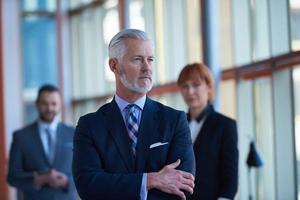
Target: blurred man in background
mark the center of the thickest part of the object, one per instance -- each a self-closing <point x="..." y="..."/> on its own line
<point x="41" y="153"/>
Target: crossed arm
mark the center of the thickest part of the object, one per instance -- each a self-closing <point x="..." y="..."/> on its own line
<point x="92" y="180"/>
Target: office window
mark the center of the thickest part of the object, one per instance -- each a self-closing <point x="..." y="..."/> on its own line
<point x="42" y="5"/>
<point x="225" y="34"/>
<point x="264" y="135"/>
<point x="39" y="50"/>
<point x="295" y="21"/>
<point x="91" y="32"/>
<point x="137" y="20"/>
<point x="77" y="3"/>
<point x="227" y="95"/>
<point x="279" y="27"/>
<point x="173" y="100"/>
<point x="175" y="45"/>
<point x="260" y="29"/>
<point x="296" y="81"/>
<point x="241" y="32"/>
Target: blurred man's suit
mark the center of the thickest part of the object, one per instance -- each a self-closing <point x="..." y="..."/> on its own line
<point x="102" y="151"/>
<point x="27" y="155"/>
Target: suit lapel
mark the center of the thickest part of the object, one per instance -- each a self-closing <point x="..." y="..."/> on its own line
<point x="147" y="129"/>
<point x="116" y="127"/>
<point x="206" y="129"/>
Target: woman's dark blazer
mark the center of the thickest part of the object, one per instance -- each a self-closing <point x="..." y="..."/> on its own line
<point x="216" y="156"/>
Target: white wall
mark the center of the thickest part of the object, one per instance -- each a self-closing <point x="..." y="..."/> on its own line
<point x="12" y="71"/>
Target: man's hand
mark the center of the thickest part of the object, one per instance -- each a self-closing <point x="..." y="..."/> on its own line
<point x="171" y="181"/>
<point x="39" y="179"/>
<point x="57" y="179"/>
<point x="53" y="178"/>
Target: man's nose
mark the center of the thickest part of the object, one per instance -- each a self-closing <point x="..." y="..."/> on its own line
<point x="147" y="65"/>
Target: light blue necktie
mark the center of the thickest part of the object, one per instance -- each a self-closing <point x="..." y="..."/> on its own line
<point x="132" y="125"/>
<point x="50" y="144"/>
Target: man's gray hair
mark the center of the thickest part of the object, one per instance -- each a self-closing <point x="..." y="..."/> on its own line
<point x="117" y="48"/>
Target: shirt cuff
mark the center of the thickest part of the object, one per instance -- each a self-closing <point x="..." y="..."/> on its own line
<point x="144" y="192"/>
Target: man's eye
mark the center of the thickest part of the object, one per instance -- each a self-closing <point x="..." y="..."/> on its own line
<point x="137" y="59"/>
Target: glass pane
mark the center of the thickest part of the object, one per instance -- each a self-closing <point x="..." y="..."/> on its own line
<point x="194" y="33"/>
<point x="241" y="32"/>
<point x="279" y="27"/>
<point x="225" y="34"/>
<point x="227" y="94"/>
<point x="173" y="100"/>
<point x="38" y="5"/>
<point x="91" y="32"/>
<point x="264" y="138"/>
<point x="295" y="21"/>
<point x="39" y="52"/>
<point x="296" y="80"/>
<point x="137" y="20"/>
<point x="77" y="3"/>
<point x="261" y="30"/>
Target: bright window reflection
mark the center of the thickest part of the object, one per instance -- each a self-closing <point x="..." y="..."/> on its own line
<point x="91" y="31"/>
<point x="295" y="21"/>
<point x="35" y="5"/>
<point x="296" y="80"/>
<point x="136" y="16"/>
<point x="77" y="3"/>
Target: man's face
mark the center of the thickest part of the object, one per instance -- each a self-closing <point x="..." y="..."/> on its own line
<point x="135" y="68"/>
<point x="48" y="105"/>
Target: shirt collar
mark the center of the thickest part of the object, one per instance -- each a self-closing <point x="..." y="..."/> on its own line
<point x="52" y="125"/>
<point x="123" y="103"/>
<point x="207" y="110"/>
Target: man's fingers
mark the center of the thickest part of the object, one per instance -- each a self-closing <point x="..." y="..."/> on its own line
<point x="188" y="182"/>
<point x="187" y="175"/>
<point x="174" y="164"/>
<point x="180" y="194"/>
<point x="187" y="188"/>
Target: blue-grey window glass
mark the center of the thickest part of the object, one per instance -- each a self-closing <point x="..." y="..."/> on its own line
<point x="39" y="51"/>
<point x="41" y="5"/>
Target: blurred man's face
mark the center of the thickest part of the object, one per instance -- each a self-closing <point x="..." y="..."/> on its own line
<point x="48" y="105"/>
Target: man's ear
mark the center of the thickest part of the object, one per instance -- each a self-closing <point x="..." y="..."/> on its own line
<point x="113" y="64"/>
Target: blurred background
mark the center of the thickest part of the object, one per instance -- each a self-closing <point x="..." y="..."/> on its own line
<point x="252" y="47"/>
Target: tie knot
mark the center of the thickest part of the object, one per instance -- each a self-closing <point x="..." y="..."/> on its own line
<point x="131" y="108"/>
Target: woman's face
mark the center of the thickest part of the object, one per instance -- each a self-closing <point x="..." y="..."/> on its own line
<point x="195" y="93"/>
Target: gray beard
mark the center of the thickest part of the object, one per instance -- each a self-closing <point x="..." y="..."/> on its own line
<point x="133" y="86"/>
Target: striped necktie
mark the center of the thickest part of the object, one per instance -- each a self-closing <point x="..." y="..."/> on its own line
<point x="132" y="125"/>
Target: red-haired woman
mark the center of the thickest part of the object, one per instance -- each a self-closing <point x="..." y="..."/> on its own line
<point x="214" y="136"/>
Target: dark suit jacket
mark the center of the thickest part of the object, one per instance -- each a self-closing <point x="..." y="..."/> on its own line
<point x="27" y="155"/>
<point x="103" y="164"/>
<point x="216" y="156"/>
